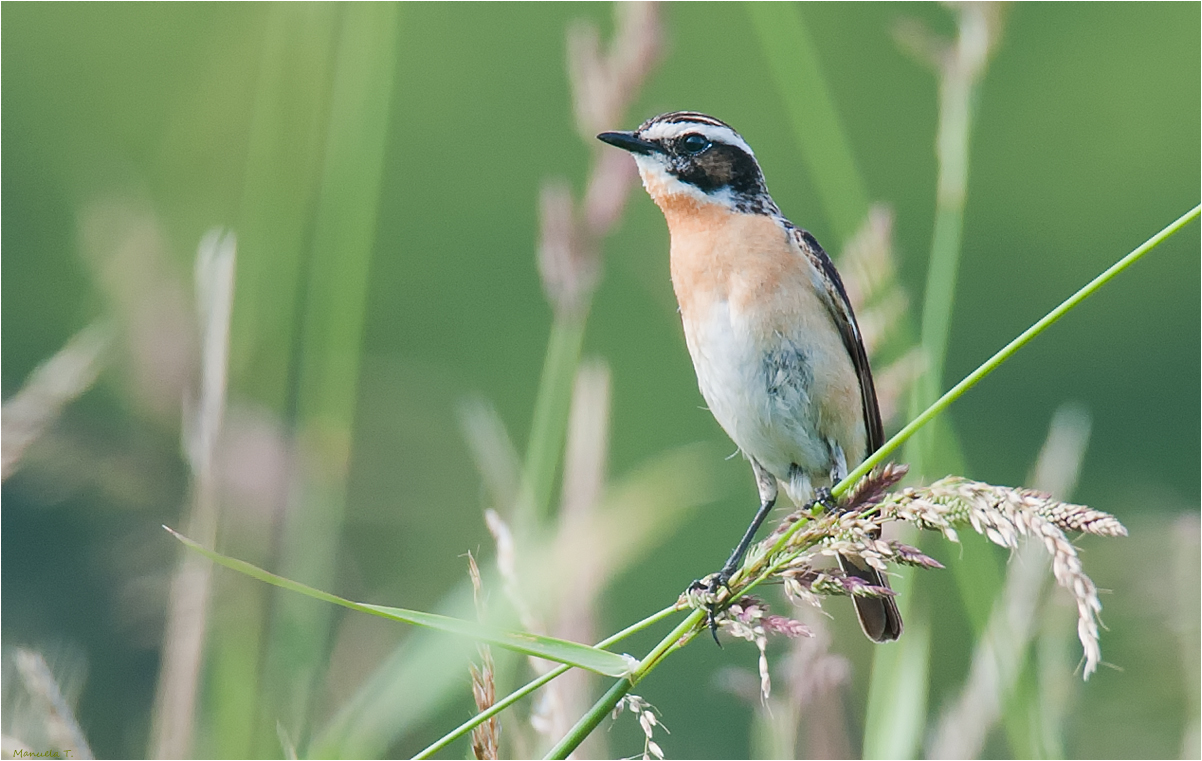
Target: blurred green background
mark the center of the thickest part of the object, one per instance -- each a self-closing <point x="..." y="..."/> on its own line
<point x="131" y="129"/>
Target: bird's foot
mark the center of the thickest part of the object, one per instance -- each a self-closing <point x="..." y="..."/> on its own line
<point x="706" y="593"/>
<point x="825" y="500"/>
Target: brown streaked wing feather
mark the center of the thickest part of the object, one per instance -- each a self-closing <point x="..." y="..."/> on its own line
<point x="879" y="616"/>
<point x="840" y="308"/>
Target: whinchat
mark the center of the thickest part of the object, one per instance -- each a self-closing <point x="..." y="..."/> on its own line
<point x="776" y="348"/>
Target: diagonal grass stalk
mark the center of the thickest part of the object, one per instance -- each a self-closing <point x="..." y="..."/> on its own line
<point x="534" y="684"/>
<point x="1007" y="351"/>
<point x="688" y="628"/>
<point x="551" y="648"/>
<point x="683" y="632"/>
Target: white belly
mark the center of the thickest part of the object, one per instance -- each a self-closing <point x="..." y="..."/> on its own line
<point x="762" y="392"/>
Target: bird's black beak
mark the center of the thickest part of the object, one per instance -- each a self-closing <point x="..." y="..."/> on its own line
<point x="627" y="141"/>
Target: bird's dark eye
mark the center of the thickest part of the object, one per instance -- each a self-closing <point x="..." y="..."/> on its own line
<point x="694" y="143"/>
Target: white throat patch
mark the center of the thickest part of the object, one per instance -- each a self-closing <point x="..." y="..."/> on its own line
<point x="660" y="183"/>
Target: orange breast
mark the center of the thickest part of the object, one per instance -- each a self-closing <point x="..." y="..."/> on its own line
<point x="751" y="263"/>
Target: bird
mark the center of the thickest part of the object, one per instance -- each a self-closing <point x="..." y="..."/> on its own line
<point x="779" y="358"/>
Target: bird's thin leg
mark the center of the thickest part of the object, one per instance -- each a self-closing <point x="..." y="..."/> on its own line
<point x="767" y="486"/>
<point x="732" y="564"/>
<point x="822" y="495"/>
<point x="736" y="557"/>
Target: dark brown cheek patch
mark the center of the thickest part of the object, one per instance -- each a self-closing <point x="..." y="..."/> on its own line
<point x="726" y="168"/>
<point x="718" y="167"/>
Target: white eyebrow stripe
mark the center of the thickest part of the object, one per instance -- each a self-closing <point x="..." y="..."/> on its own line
<point x="713" y="132"/>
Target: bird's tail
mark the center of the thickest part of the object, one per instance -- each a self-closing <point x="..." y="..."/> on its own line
<point x="879" y="616"/>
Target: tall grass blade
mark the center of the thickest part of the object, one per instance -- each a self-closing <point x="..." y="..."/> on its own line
<point x="326" y="379"/>
<point x="548" y="430"/>
<point x="283" y="177"/>
<point x="794" y="65"/>
<point x="283" y="173"/>
<point x="551" y="648"/>
<point x="558" y="650"/>
<point x="897" y="697"/>
<point x="185" y="636"/>
<point x="959" y="64"/>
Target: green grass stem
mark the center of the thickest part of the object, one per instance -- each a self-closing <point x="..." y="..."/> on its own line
<point x="685" y="630"/>
<point x="274" y="222"/>
<point x="1007" y="351"/>
<point x="534" y="684"/>
<point x="548" y="430"/>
